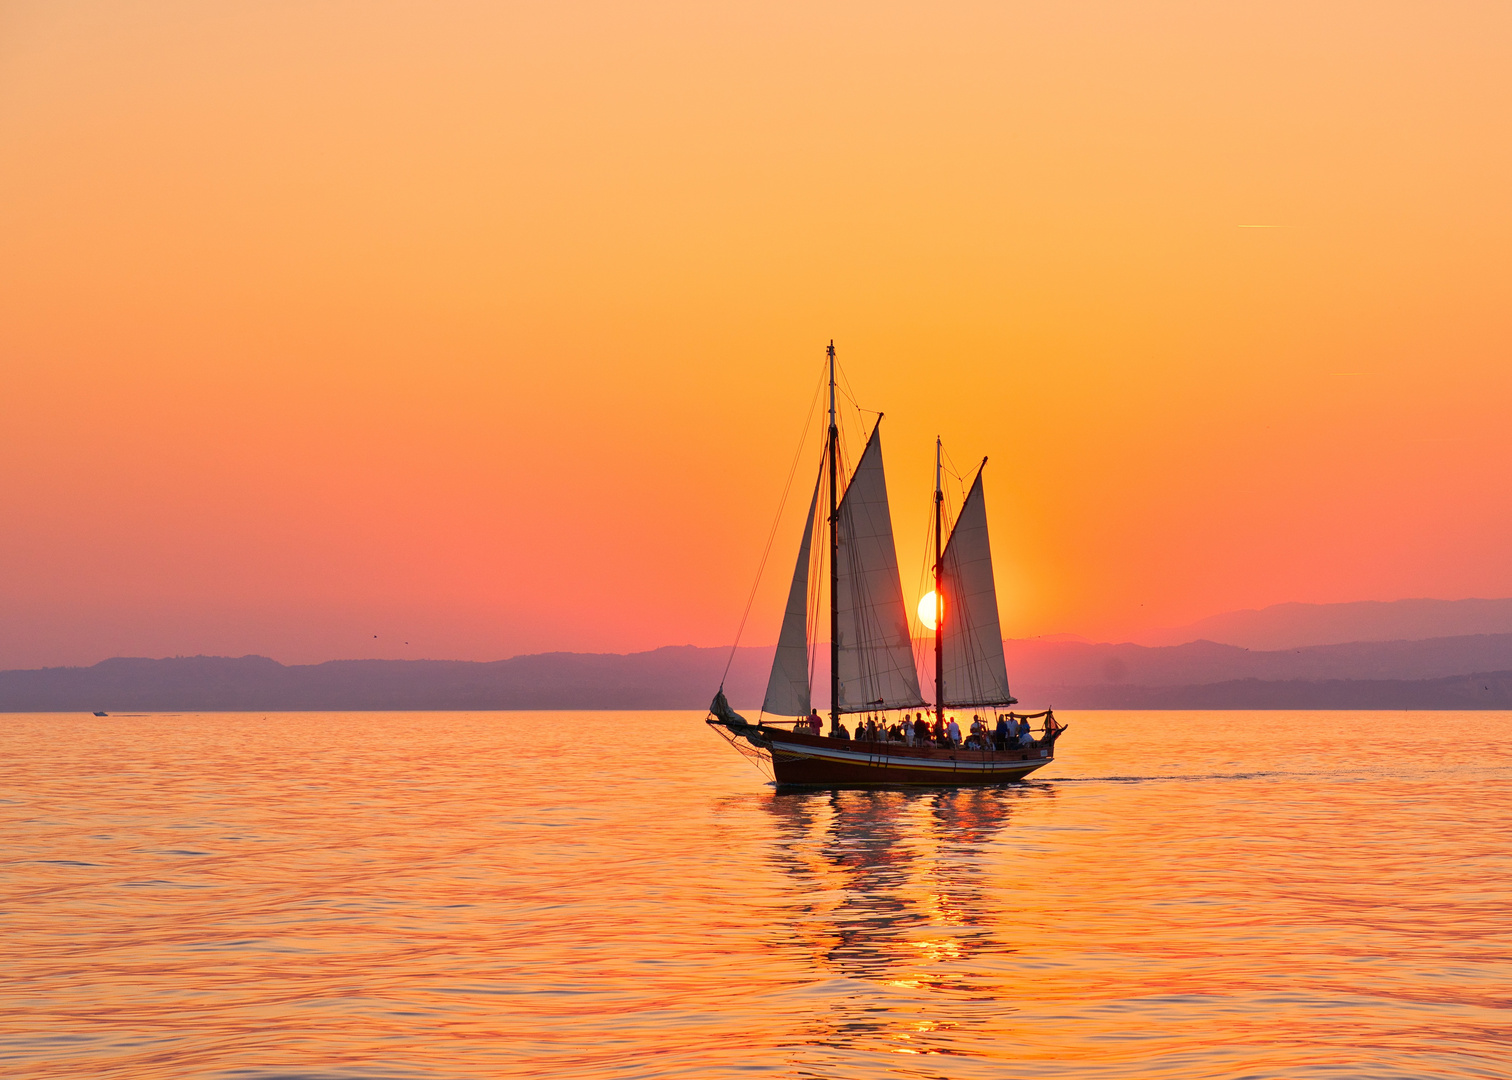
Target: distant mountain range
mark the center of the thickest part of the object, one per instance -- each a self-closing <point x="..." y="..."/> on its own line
<point x="1295" y="626"/>
<point x="1041" y="666"/>
<point x="1461" y="672"/>
<point x="670" y="678"/>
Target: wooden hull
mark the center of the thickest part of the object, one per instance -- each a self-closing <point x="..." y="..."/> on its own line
<point x="811" y="761"/>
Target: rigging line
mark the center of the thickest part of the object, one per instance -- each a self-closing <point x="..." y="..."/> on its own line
<point x="772" y="535"/>
<point x="973" y="653"/>
<point x="960" y="477"/>
<point x="817" y="564"/>
<point x="952" y="509"/>
<point x="849" y="393"/>
<point x="845" y="386"/>
<point x="926" y="565"/>
<point x="867" y="624"/>
<point x="845" y="469"/>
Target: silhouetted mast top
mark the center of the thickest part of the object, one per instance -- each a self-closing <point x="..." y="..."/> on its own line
<point x="834" y="549"/>
<point x="871" y="653"/>
<point x="939" y="593"/>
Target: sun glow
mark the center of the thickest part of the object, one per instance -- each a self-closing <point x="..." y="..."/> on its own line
<point x="927" y="609"/>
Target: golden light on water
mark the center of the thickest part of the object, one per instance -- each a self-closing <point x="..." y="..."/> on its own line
<point x="927" y="609"/>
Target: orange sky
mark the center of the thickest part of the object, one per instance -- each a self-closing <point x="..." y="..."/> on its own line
<point x="490" y="328"/>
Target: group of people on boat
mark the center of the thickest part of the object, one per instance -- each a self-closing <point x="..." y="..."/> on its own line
<point x="1011" y="731"/>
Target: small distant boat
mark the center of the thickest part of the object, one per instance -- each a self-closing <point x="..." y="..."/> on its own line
<point x="872" y="667"/>
<point x="101" y="712"/>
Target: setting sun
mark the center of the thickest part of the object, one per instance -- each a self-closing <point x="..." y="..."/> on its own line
<point x="927" y="609"/>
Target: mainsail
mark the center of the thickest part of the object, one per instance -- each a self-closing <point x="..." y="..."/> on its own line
<point x="970" y="637"/>
<point x="787" y="692"/>
<point x="876" y="663"/>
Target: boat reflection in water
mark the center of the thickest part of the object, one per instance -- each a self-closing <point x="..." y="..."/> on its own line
<point x="889" y="892"/>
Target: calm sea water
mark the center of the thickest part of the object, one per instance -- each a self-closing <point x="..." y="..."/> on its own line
<point x="469" y="895"/>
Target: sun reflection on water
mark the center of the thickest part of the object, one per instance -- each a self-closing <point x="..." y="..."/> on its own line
<point x="461" y="896"/>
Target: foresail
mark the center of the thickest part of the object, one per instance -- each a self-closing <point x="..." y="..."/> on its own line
<point x="971" y="638"/>
<point x="787" y="692"/>
<point x="876" y="657"/>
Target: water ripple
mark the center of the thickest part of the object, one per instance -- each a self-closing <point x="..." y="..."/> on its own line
<point x="458" y="896"/>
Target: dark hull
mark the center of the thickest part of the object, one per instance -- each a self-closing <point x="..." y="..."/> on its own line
<point x="810" y="761"/>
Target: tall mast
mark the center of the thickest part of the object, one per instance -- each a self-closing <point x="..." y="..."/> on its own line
<point x="939" y="626"/>
<point x="834" y="550"/>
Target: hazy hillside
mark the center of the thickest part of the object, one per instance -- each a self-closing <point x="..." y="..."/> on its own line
<point x="1038" y="663"/>
<point x="1291" y="626"/>
<point x="672" y="678"/>
<point x="1436" y="673"/>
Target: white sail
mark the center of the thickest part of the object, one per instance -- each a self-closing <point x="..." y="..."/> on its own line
<point x="971" y="638"/>
<point x="876" y="656"/>
<point x="787" y="692"/>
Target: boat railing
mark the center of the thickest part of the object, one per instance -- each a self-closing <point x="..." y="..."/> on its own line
<point x="988" y="743"/>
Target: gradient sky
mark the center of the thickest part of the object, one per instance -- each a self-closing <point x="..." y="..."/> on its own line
<point x="491" y="328"/>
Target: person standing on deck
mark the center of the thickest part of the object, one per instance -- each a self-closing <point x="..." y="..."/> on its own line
<point x="815" y="724"/>
<point x="953" y="732"/>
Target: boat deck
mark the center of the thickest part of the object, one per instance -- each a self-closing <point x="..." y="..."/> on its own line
<point x="800" y="758"/>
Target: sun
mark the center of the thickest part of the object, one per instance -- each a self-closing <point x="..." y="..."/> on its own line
<point x="927" y="609"/>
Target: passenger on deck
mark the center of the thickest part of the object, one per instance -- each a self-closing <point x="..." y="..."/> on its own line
<point x="953" y="732"/>
<point x="978" y="733"/>
<point x="1025" y="738"/>
<point x="921" y="731"/>
<point x="871" y="729"/>
<point x="908" y="731"/>
<point x="939" y="731"/>
<point x="815" y="724"/>
<point x="841" y="733"/>
<point x="1000" y="733"/>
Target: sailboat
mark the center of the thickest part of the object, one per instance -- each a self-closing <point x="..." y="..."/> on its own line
<point x="872" y="672"/>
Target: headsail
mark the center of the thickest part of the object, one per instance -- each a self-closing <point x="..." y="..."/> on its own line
<point x="971" y="637"/>
<point x="875" y="655"/>
<point x="787" y="692"/>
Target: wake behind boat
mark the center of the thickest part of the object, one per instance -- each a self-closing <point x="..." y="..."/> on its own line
<point x="873" y="674"/>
